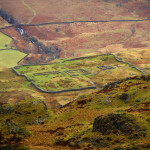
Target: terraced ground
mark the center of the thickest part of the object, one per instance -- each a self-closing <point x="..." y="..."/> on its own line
<point x="77" y="73"/>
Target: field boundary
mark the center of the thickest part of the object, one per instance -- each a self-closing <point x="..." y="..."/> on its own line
<point x="109" y="86"/>
<point x="12" y="39"/>
<point x="114" y="57"/>
<point x="71" y="22"/>
<point x="8" y="49"/>
<point x="78" y="89"/>
<point x="61" y="91"/>
<point x="22" y="58"/>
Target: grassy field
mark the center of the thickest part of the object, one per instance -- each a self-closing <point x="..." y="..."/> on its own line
<point x="5" y="41"/>
<point x="72" y="74"/>
<point x="9" y="58"/>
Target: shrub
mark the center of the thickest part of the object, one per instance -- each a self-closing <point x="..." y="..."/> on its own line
<point x="124" y="97"/>
<point x="11" y="132"/>
<point x="114" y="123"/>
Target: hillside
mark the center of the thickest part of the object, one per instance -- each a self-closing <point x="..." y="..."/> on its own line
<point x="77" y="39"/>
<point x="72" y="125"/>
<point x="74" y="75"/>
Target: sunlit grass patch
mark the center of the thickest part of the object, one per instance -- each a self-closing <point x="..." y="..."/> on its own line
<point x="9" y="58"/>
<point x="5" y="41"/>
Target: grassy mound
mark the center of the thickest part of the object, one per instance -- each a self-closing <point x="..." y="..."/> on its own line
<point x="26" y="112"/>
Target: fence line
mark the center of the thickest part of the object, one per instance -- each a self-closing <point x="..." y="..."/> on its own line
<point x="61" y="91"/>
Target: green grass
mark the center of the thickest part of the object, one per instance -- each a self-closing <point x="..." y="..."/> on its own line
<point x="9" y="58"/>
<point x="53" y="77"/>
<point x="4" y="41"/>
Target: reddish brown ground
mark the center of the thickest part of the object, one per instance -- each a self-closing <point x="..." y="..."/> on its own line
<point x="80" y="39"/>
<point x="21" y="44"/>
<point x="69" y="10"/>
<point x="3" y="23"/>
<point x="16" y="9"/>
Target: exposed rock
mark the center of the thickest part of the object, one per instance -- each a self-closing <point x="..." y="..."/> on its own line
<point x="107" y="100"/>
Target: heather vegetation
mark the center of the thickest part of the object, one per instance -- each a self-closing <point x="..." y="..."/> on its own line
<point x="26" y="112"/>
